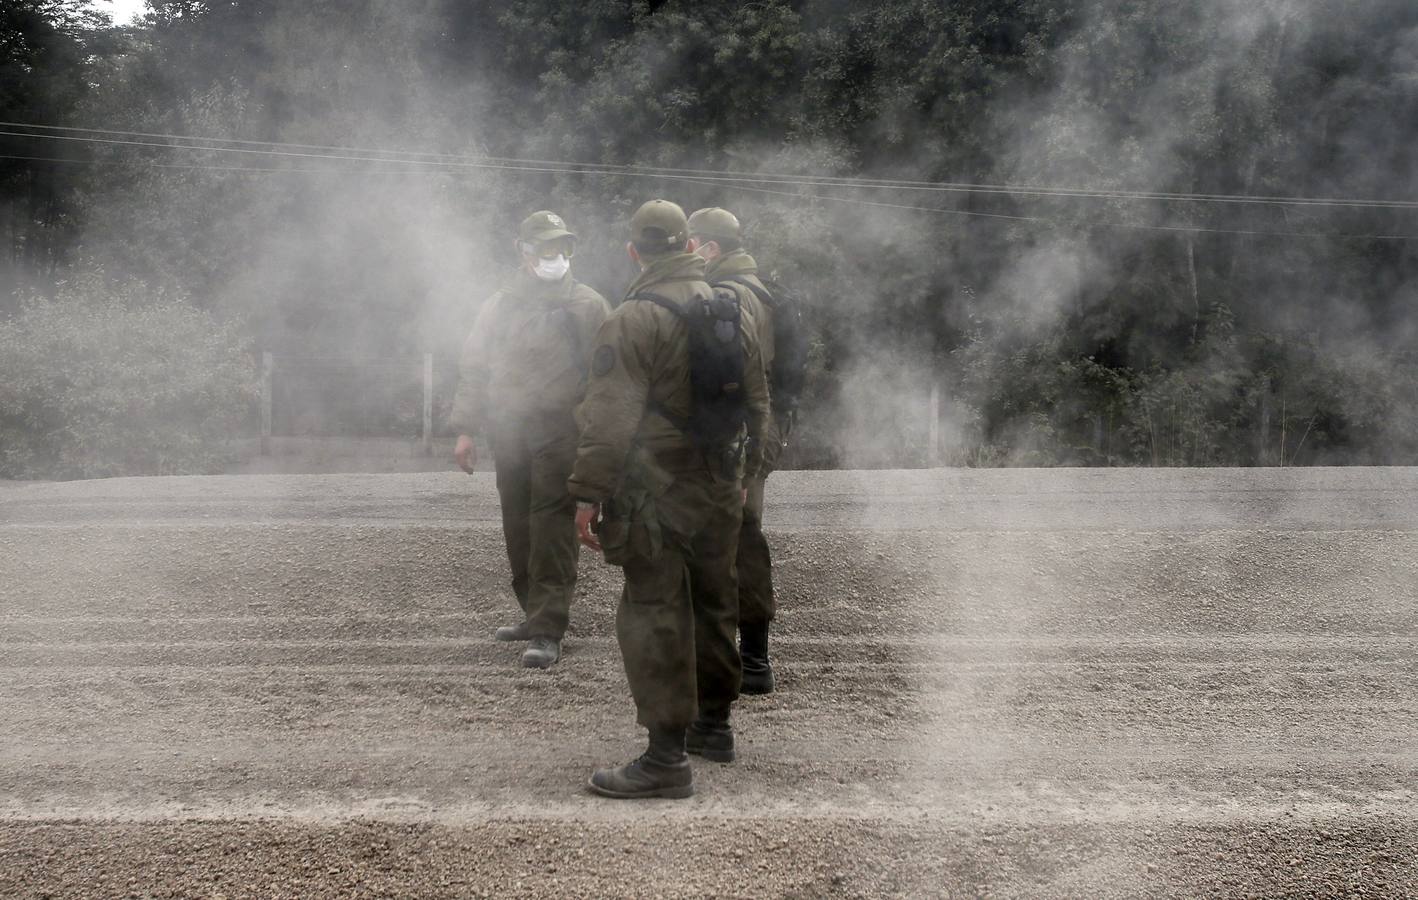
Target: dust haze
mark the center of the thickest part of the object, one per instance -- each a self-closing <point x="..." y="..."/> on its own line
<point x="1097" y="653"/>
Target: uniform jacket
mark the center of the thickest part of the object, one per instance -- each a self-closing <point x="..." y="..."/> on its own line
<point x="528" y="352"/>
<point x="641" y="356"/>
<point x="738" y="264"/>
<point x="759" y="317"/>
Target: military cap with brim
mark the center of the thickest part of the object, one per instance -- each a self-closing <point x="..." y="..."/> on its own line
<point x="543" y="225"/>
<point x="671" y="227"/>
<point x="715" y="222"/>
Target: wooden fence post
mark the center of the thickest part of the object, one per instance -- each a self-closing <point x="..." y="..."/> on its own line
<point x="428" y="404"/>
<point x="268" y="365"/>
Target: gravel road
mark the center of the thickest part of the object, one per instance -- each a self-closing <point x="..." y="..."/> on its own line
<point x="1011" y="683"/>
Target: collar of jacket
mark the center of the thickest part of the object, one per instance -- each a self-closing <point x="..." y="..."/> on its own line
<point x="526" y="286"/>
<point x="735" y="262"/>
<point x="675" y="267"/>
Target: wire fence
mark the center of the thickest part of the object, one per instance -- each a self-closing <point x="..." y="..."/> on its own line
<point x="349" y="396"/>
<point x="404" y="397"/>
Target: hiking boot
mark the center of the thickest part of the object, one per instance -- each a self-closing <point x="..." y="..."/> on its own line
<point x="541" y="653"/>
<point x="712" y="740"/>
<point x="757" y="677"/>
<point x="753" y="650"/>
<point x="516" y="632"/>
<point x="661" y="771"/>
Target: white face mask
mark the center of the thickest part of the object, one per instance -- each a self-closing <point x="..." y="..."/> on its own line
<point x="552" y="269"/>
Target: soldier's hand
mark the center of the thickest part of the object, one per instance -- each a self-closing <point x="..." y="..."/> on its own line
<point x="465" y="453"/>
<point x="586" y="516"/>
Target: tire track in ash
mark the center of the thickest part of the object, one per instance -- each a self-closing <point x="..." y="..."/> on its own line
<point x="1046" y="660"/>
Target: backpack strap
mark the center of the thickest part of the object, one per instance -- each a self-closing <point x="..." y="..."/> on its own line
<point x="658" y="300"/>
<point x="758" y="292"/>
<point x="654" y="406"/>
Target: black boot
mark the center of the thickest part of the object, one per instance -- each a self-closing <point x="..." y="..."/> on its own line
<point x="711" y="738"/>
<point x="753" y="648"/>
<point x="661" y="771"/>
<point x="518" y="632"/>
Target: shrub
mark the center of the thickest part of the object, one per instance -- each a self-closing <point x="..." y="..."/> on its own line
<point x="100" y="382"/>
<point x="1237" y="400"/>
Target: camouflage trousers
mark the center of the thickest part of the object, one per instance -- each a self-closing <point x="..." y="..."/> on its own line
<point x="533" y="458"/>
<point x="755" y="567"/>
<point x="678" y="614"/>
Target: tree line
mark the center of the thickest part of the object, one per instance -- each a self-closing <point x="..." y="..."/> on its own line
<point x="1063" y="217"/>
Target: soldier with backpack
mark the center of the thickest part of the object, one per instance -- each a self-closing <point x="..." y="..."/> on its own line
<point x="777" y="321"/>
<point x="521" y="374"/>
<point x="677" y="399"/>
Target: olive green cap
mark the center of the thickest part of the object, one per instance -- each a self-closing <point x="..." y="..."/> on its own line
<point x="543" y="225"/>
<point x="715" y="223"/>
<point x="663" y="215"/>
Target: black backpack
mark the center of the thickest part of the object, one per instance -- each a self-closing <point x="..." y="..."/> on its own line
<point x="789" y="344"/>
<point x="718" y="410"/>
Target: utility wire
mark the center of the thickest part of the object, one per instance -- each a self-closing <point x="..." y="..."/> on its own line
<point x="798" y="195"/>
<point x="728" y="184"/>
<point x="277" y="170"/>
<point x="340" y="149"/>
<point x="279" y="153"/>
<point x="1060" y="223"/>
<point x="772" y="177"/>
<point x="565" y="167"/>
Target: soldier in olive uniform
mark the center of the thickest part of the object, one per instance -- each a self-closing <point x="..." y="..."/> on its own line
<point x="665" y="510"/>
<point x="522" y="372"/>
<point x="719" y="239"/>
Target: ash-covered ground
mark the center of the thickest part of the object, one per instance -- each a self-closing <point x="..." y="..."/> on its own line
<point x="1100" y="683"/>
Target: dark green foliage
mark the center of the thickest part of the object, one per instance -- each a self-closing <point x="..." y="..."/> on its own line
<point x="1061" y="331"/>
<point x="99" y="382"/>
<point x="1264" y="399"/>
<point x="46" y="50"/>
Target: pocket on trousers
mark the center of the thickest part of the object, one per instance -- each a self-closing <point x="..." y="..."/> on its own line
<point x="614" y="535"/>
<point x="629" y="529"/>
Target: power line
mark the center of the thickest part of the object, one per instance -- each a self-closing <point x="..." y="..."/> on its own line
<point x="277" y="170"/>
<point x="340" y="149"/>
<point x="565" y="167"/>
<point x="1056" y="222"/>
<point x="785" y="178"/>
<point x="277" y="153"/>
<point x="790" y="194"/>
<point x="734" y="186"/>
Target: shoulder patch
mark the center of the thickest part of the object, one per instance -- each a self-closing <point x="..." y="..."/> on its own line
<point x="603" y="360"/>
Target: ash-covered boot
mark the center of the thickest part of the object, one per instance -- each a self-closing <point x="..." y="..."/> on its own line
<point x="541" y="653"/>
<point x="711" y="738"/>
<point x="519" y="632"/>
<point x="753" y="649"/>
<point x="661" y="771"/>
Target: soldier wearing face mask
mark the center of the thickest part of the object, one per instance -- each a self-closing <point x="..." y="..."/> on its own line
<point x="521" y="375"/>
